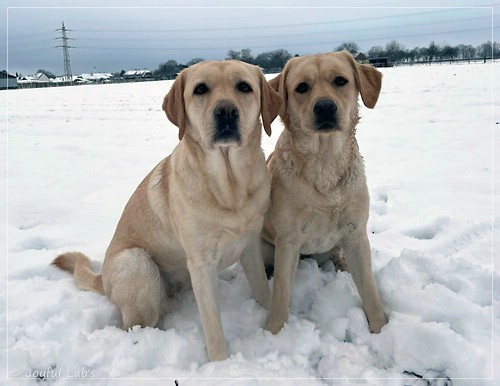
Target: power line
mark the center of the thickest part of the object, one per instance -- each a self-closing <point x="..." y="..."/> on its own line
<point x="294" y="25"/>
<point x="273" y="36"/>
<point x="309" y="43"/>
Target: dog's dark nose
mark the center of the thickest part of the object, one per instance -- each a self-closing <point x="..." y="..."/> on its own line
<point x="325" y="115"/>
<point x="226" y="116"/>
<point x="325" y="108"/>
<point x="226" y="111"/>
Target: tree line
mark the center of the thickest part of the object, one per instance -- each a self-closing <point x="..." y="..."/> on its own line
<point x="395" y="52"/>
<point x="272" y="61"/>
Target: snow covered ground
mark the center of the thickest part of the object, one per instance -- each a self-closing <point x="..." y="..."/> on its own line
<point x="77" y="153"/>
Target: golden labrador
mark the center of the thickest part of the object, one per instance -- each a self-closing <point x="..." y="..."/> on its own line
<point x="200" y="209"/>
<point x="319" y="196"/>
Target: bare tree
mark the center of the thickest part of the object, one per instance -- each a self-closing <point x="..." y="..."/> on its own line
<point x="167" y="70"/>
<point x="432" y="51"/>
<point x="485" y="50"/>
<point x="352" y="47"/>
<point x="496" y="50"/>
<point x="376" y="52"/>
<point x="246" y="56"/>
<point x="233" y="55"/>
<point x="395" y="51"/>
<point x="449" y="52"/>
<point x="194" y="61"/>
<point x="274" y="60"/>
<point x="466" y="51"/>
<point x="47" y="73"/>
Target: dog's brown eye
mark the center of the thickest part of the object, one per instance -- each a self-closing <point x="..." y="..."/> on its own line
<point x="340" y="81"/>
<point x="244" y="87"/>
<point x="201" y="89"/>
<point x="302" y="88"/>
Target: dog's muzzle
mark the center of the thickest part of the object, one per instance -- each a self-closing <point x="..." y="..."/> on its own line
<point x="227" y="119"/>
<point x="325" y="115"/>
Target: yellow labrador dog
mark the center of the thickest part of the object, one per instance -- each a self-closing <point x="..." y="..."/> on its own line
<point x="200" y="209"/>
<point x="320" y="202"/>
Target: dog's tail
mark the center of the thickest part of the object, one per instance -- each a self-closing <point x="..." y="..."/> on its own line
<point x="79" y="265"/>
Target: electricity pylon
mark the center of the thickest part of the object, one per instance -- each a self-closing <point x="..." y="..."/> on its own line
<point x="67" y="65"/>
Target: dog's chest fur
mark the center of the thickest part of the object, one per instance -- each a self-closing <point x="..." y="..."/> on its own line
<point x="219" y="202"/>
<point x="322" y="179"/>
<point x="321" y="223"/>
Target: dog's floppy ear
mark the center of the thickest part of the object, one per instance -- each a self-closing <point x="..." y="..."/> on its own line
<point x="270" y="103"/>
<point x="368" y="80"/>
<point x="173" y="104"/>
<point x="275" y="82"/>
<point x="278" y="84"/>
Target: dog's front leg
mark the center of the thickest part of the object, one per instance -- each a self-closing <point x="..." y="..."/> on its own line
<point x="253" y="265"/>
<point x="285" y="263"/>
<point x="358" y="258"/>
<point x="205" y="282"/>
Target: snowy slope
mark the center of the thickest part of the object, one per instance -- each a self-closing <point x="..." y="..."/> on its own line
<point x="77" y="153"/>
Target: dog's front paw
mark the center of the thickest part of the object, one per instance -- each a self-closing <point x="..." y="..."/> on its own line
<point x="377" y="324"/>
<point x="274" y="325"/>
<point x="218" y="353"/>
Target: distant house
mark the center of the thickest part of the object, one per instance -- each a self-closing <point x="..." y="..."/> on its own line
<point x="80" y="80"/>
<point x="96" y="77"/>
<point x="38" y="78"/>
<point x="360" y="57"/>
<point x="138" y="74"/>
<point x="380" y="62"/>
<point x="7" y="81"/>
<point x="34" y="81"/>
<point x="59" y="79"/>
<point x="41" y="78"/>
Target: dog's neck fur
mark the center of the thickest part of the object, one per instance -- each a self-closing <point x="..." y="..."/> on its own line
<point x="229" y="171"/>
<point x="325" y="160"/>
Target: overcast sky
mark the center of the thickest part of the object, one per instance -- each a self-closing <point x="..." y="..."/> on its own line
<point x="109" y="36"/>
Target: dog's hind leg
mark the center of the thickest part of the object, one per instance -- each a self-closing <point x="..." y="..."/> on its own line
<point x="335" y="255"/>
<point x="268" y="256"/>
<point x="132" y="281"/>
<point x="338" y="259"/>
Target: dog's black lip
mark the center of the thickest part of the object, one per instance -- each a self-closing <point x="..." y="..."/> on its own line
<point x="227" y="129"/>
<point x="227" y="135"/>
<point x="327" y="126"/>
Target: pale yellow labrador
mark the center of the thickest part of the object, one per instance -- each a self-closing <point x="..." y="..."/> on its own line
<point x="200" y="209"/>
<point x="320" y="202"/>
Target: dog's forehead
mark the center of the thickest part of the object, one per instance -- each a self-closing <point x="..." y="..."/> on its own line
<point x="216" y="72"/>
<point x="313" y="67"/>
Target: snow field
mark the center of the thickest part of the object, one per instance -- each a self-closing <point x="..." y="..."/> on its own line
<point x="76" y="154"/>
